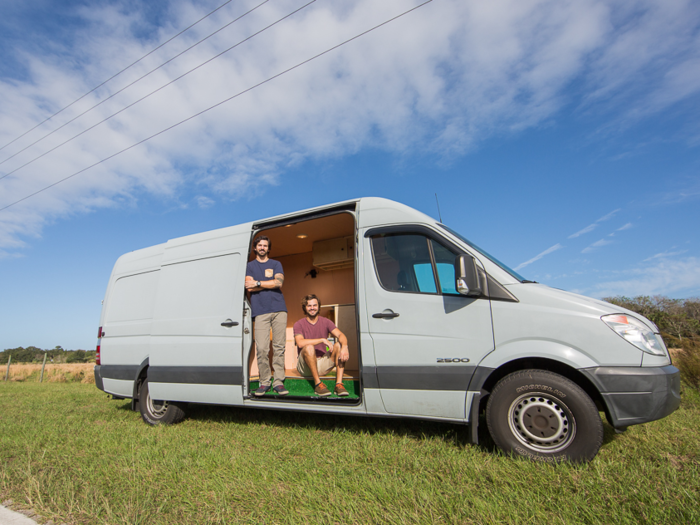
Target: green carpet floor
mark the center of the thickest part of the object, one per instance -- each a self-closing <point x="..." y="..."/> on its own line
<point x="304" y="387"/>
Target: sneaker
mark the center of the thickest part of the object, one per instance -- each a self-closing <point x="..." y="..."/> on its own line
<point x="321" y="390"/>
<point x="262" y="390"/>
<point x="340" y="390"/>
<point x="279" y="389"/>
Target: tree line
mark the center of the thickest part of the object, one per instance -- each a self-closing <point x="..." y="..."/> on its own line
<point x="32" y="354"/>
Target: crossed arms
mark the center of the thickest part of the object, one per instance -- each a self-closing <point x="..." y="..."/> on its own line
<point x="276" y="282"/>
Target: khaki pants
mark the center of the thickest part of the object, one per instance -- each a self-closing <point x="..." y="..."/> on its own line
<point x="277" y="322"/>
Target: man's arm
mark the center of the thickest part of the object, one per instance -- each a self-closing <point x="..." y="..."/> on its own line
<point x="251" y="285"/>
<point x="344" y="350"/>
<point x="301" y="342"/>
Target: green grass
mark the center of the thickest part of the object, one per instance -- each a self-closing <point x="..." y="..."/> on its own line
<point x="305" y="387"/>
<point x="73" y="455"/>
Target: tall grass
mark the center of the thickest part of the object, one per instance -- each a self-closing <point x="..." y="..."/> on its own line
<point x="687" y="359"/>
<point x="73" y="455"/>
<point x="53" y="373"/>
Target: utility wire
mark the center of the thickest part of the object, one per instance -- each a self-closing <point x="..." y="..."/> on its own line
<point x="116" y="74"/>
<point x="132" y="83"/>
<point x="269" y="79"/>
<point x="156" y="90"/>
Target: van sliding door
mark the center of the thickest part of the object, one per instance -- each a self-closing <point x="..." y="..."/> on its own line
<point x="198" y="322"/>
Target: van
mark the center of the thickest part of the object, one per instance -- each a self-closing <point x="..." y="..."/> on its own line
<point x="438" y="329"/>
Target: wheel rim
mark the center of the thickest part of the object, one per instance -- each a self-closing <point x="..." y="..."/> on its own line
<point x="542" y="422"/>
<point x="157" y="408"/>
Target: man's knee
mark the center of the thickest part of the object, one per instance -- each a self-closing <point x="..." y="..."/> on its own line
<point x="309" y="352"/>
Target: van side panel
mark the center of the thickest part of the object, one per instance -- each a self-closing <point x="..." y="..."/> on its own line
<point x="126" y="324"/>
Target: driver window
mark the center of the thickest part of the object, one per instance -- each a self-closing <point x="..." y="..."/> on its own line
<point x="403" y="263"/>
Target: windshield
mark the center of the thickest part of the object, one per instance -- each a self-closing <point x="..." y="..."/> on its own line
<point x="485" y="254"/>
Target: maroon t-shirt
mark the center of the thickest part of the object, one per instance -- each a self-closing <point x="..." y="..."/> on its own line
<point x="320" y="330"/>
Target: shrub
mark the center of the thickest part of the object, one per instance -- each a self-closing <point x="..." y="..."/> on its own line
<point x="688" y="362"/>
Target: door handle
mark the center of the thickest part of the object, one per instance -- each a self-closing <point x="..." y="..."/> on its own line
<point x="228" y="323"/>
<point x="385" y="315"/>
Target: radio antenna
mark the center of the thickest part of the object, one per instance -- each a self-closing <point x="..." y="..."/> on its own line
<point x="438" y="207"/>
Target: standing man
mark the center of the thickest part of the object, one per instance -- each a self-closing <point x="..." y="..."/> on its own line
<point x="264" y="279"/>
<point x="317" y="355"/>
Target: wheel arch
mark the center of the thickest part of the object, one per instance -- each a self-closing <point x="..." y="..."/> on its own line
<point x="485" y="378"/>
<point x="140" y="376"/>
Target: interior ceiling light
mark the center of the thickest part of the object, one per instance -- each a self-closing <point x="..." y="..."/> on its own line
<point x="301" y="236"/>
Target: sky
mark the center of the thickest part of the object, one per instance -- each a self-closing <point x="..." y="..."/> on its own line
<point x="562" y="136"/>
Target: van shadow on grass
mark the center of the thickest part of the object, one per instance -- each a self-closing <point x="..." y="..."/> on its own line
<point x="454" y="434"/>
<point x="450" y="433"/>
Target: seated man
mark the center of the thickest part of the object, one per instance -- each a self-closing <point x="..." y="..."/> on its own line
<point x="317" y="355"/>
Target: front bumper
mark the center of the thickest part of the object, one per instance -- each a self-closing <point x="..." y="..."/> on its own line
<point x="635" y="395"/>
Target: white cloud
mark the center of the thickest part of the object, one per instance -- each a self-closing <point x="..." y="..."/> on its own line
<point x="204" y="202"/>
<point x="667" y="277"/>
<point x="539" y="256"/>
<point x="596" y="245"/>
<point x="587" y="229"/>
<point x="624" y="227"/>
<point x="440" y="80"/>
<point x="593" y="226"/>
<point x="665" y="255"/>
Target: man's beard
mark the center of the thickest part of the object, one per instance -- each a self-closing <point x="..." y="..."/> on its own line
<point x="314" y="316"/>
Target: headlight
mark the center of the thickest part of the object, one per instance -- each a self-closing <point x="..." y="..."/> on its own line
<point x="636" y="332"/>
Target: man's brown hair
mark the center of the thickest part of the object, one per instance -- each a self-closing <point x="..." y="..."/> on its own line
<point x="306" y="300"/>
<point x="262" y="238"/>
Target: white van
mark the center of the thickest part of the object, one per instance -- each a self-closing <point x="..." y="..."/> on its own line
<point x="438" y="329"/>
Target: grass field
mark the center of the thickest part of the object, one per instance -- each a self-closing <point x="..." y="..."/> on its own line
<point x="73" y="455"/>
<point x="53" y="373"/>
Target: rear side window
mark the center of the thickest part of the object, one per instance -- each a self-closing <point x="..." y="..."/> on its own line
<point x="413" y="263"/>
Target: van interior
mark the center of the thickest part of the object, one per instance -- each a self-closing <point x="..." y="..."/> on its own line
<point x="318" y="257"/>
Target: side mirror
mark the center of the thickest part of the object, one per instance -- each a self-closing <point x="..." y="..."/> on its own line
<point x="467" y="276"/>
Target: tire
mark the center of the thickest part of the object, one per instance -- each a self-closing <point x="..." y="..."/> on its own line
<point x="159" y="412"/>
<point x="545" y="417"/>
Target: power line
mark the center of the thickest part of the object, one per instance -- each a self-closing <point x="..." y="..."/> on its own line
<point x="155" y="91"/>
<point x="117" y="74"/>
<point x="127" y="86"/>
<point x="269" y="79"/>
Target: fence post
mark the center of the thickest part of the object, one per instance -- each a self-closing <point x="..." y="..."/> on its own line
<point x="41" y="379"/>
<point x="7" y="374"/>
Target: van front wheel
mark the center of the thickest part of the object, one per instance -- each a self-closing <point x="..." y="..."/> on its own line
<point x="544" y="416"/>
<point x="156" y="412"/>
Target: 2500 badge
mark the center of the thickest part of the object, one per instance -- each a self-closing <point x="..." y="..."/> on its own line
<point x="452" y="360"/>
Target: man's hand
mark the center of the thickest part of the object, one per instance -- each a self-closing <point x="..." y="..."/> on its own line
<point x="344" y="353"/>
<point x="250" y="283"/>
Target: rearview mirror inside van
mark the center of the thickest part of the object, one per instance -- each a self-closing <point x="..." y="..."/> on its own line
<point x="467" y="276"/>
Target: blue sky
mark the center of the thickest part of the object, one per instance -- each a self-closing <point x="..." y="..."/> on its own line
<point x="560" y="136"/>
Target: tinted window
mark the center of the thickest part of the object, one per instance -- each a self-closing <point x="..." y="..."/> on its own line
<point x="403" y="263"/>
<point x="445" y="261"/>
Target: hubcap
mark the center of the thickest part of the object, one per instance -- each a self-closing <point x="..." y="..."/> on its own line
<point x="542" y="422"/>
<point x="157" y="408"/>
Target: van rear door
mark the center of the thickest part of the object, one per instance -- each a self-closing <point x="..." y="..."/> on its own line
<point x="427" y="338"/>
<point x="196" y="342"/>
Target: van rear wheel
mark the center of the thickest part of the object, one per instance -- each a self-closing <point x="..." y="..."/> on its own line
<point x="544" y="416"/>
<point x="155" y="412"/>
